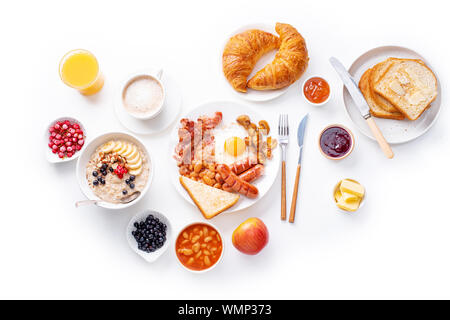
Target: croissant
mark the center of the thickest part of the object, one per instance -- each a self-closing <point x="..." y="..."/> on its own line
<point x="289" y="63"/>
<point x="242" y="52"/>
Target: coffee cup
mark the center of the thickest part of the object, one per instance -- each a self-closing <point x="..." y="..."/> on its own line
<point x="143" y="95"/>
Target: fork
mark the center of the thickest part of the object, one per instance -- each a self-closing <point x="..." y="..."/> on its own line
<point x="283" y="137"/>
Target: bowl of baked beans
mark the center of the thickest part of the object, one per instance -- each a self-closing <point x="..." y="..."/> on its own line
<point x="199" y="247"/>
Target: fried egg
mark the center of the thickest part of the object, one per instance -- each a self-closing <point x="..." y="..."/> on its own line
<point x="230" y="144"/>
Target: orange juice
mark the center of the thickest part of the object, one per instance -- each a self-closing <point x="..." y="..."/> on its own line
<point x="79" y="69"/>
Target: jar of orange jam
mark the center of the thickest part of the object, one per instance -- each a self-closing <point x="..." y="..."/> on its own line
<point x="316" y="91"/>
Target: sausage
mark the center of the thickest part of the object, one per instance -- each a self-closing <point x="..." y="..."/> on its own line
<point x="253" y="173"/>
<point x="248" y="176"/>
<point x="236" y="183"/>
<point x="243" y="165"/>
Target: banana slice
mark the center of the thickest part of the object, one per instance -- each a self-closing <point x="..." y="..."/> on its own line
<point x="134" y="159"/>
<point x="108" y="147"/>
<point x="134" y="153"/>
<point x="132" y="166"/>
<point x="135" y="172"/>
<point x="128" y="151"/>
<point x="122" y="150"/>
<point x="118" y="146"/>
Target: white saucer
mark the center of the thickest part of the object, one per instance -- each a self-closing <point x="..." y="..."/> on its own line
<point x="170" y="111"/>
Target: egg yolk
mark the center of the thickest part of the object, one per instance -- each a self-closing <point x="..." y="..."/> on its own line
<point x="234" y="146"/>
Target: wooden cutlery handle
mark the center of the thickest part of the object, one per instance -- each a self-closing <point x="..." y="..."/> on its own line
<point x="380" y="138"/>
<point x="295" y="195"/>
<point x="283" y="190"/>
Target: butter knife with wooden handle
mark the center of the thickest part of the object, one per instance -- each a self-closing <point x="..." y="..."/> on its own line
<point x="361" y="103"/>
<point x="300" y="138"/>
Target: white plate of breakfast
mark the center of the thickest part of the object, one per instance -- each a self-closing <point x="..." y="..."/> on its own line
<point x="148" y="101"/>
<point x="217" y="160"/>
<point x="243" y="65"/>
<point x="113" y="168"/>
<point x="401" y="89"/>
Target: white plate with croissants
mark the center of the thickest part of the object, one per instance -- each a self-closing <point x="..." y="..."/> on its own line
<point x="260" y="61"/>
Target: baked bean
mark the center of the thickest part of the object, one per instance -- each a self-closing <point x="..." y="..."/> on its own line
<point x="208" y="181"/>
<point x="185" y="241"/>
<point x="207" y="261"/>
<point x="211" y="174"/>
<point x="196" y="247"/>
<point x="208" y="239"/>
<point x="185" y="235"/>
<point x="206" y="253"/>
<point x="187" y="252"/>
<point x="195" y="239"/>
<point x="203" y="245"/>
<point x="198" y="167"/>
<point x="198" y="255"/>
<point x="190" y="261"/>
<point x="205" y="231"/>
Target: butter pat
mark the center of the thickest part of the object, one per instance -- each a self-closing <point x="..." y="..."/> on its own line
<point x="352" y="188"/>
<point x="348" y="205"/>
<point x="348" y="195"/>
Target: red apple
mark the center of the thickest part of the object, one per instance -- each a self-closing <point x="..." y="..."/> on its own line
<point x="251" y="236"/>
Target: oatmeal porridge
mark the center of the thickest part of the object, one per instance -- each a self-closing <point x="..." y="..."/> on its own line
<point x="116" y="170"/>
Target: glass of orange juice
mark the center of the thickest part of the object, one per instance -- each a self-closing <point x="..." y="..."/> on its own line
<point x="79" y="69"/>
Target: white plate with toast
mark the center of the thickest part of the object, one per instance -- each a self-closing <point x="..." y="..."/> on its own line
<point x="230" y="111"/>
<point x="395" y="131"/>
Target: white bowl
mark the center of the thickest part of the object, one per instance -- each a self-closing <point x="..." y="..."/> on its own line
<point x="85" y="156"/>
<point x="148" y="256"/>
<point x="218" y="260"/>
<point x="363" y="200"/>
<point x="310" y="102"/>
<point x="53" y="157"/>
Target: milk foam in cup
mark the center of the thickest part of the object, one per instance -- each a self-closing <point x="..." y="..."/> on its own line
<point x="143" y="95"/>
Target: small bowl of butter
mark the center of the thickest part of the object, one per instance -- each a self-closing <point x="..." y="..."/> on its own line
<point x="349" y="195"/>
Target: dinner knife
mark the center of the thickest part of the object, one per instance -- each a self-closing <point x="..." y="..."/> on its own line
<point x="361" y="103"/>
<point x="300" y="137"/>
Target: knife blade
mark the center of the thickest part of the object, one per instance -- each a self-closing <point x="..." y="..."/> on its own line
<point x="352" y="87"/>
<point x="301" y="135"/>
<point x="362" y="105"/>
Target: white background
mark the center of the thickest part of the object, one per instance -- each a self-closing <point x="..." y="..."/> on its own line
<point x="397" y="246"/>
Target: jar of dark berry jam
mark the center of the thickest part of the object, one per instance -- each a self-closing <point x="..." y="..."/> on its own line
<point x="336" y="142"/>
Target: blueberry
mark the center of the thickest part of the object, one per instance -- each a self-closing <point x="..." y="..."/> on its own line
<point x="132" y="179"/>
<point x="102" y="181"/>
<point x="111" y="169"/>
<point x="127" y="181"/>
<point x="132" y="185"/>
<point x="104" y="166"/>
<point x="95" y="173"/>
<point x="95" y="182"/>
<point x="124" y="192"/>
<point x="136" y="225"/>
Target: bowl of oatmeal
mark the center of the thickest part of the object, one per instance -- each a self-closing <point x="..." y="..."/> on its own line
<point x="112" y="167"/>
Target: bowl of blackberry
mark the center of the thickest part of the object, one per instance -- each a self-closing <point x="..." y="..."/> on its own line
<point x="149" y="234"/>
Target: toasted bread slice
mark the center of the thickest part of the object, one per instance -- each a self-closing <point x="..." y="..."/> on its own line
<point x="409" y="85"/>
<point x="211" y="201"/>
<point x="375" y="109"/>
<point x="377" y="72"/>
